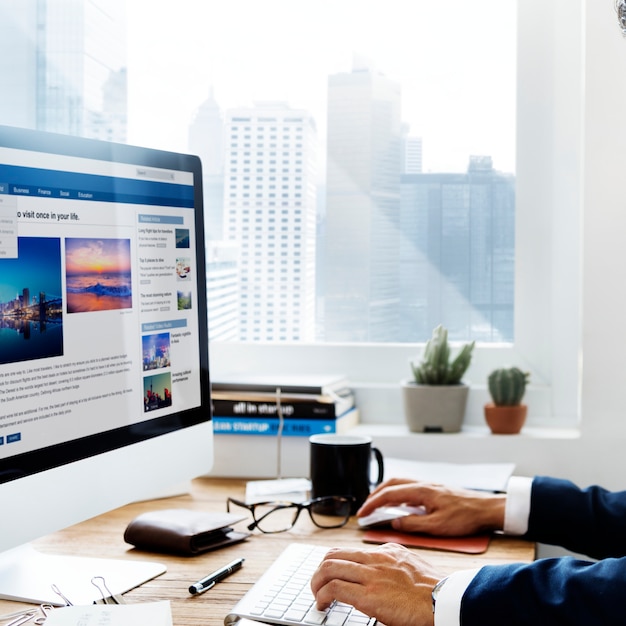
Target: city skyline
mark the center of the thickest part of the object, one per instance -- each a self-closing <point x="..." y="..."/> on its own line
<point x="38" y="268"/>
<point x="439" y="90"/>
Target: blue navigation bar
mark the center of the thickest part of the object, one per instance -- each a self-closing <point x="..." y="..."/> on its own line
<point x="40" y="183"/>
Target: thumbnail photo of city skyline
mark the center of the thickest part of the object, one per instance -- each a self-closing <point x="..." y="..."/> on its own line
<point x="31" y="301"/>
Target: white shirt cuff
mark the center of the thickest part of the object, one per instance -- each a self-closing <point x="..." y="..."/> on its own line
<point x="517" y="508"/>
<point x="516" y="513"/>
<point x="448" y="606"/>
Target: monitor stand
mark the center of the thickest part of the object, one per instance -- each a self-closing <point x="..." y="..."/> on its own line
<point x="27" y="575"/>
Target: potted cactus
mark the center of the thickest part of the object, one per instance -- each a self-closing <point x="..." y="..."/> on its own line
<point x="506" y="414"/>
<point x="436" y="397"/>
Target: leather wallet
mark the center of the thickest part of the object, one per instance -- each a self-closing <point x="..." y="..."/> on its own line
<point x="183" y="531"/>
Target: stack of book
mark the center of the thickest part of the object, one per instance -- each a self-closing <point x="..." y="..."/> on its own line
<point x="255" y="406"/>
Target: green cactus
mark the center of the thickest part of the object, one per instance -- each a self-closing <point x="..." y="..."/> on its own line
<point x="507" y="386"/>
<point x="435" y="368"/>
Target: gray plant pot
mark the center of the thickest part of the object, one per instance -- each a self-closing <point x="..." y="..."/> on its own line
<point x="434" y="408"/>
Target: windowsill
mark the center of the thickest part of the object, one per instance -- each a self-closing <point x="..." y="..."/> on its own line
<point x="534" y="450"/>
<point x="382" y="432"/>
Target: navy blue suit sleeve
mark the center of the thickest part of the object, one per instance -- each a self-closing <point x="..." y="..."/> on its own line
<point x="590" y="521"/>
<point x="547" y="592"/>
<point x="568" y="591"/>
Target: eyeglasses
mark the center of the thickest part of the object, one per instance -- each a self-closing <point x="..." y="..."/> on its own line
<point x="276" y="517"/>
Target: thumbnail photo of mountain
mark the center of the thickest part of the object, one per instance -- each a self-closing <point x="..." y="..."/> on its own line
<point x="183" y="299"/>
<point x="97" y="274"/>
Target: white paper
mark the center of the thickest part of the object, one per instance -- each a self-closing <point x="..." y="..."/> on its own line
<point x="483" y="476"/>
<point x="152" y="613"/>
<point x="289" y="489"/>
<point x="28" y="576"/>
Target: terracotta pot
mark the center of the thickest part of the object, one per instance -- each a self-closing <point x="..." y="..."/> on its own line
<point x="505" y="420"/>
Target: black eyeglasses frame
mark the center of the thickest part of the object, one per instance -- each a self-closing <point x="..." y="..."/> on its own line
<point x="298" y="506"/>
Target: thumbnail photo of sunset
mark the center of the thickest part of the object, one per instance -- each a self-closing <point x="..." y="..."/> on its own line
<point x="97" y="274"/>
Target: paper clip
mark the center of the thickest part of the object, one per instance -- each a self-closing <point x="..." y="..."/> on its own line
<point x="45" y="610"/>
<point x="9" y="616"/>
<point x="22" y="618"/>
<point x="108" y="598"/>
<point x="58" y="592"/>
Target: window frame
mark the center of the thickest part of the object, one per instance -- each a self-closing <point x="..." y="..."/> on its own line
<point x="548" y="252"/>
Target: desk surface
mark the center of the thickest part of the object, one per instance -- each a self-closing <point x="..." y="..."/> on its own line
<point x="103" y="537"/>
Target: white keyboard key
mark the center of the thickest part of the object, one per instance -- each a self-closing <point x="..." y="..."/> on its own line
<point x="295" y="614"/>
<point x="315" y="617"/>
<point x="336" y="618"/>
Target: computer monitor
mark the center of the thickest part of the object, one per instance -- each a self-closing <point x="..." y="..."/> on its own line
<point x="104" y="372"/>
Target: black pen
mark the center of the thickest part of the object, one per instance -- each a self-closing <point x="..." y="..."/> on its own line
<point x="214" y="577"/>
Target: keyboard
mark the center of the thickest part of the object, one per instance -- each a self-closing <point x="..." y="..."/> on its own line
<point x="283" y="594"/>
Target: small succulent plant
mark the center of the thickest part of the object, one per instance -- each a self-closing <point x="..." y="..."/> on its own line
<point x="436" y="367"/>
<point x="507" y="386"/>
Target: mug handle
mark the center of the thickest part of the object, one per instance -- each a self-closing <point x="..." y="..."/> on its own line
<point x="381" y="465"/>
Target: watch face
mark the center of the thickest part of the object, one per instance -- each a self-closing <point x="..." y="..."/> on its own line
<point x="436" y="590"/>
<point x="620" y="8"/>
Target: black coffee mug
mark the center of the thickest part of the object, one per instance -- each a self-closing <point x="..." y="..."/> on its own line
<point x="341" y="465"/>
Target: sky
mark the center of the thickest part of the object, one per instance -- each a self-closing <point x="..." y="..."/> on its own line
<point x="38" y="268"/>
<point x="96" y="256"/>
<point x="284" y="50"/>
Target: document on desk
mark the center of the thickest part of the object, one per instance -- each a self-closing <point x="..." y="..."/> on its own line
<point x="153" y="613"/>
<point x="483" y="476"/>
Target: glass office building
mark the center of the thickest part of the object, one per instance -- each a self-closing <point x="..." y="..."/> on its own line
<point x="457" y="254"/>
<point x="362" y="206"/>
<point x="270" y="211"/>
<point x="63" y="66"/>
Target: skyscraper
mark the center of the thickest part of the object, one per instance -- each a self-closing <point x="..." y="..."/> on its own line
<point x="363" y="206"/>
<point x="270" y="208"/>
<point x="411" y="154"/>
<point x="206" y="140"/>
<point x="457" y="253"/>
<point x="62" y="66"/>
<point x="223" y="290"/>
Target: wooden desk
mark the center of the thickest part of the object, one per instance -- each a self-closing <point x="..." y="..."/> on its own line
<point x="103" y="537"/>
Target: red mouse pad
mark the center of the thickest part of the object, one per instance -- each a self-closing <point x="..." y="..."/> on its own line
<point x="474" y="544"/>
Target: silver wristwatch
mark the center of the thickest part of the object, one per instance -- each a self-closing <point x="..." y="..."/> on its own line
<point x="436" y="590"/>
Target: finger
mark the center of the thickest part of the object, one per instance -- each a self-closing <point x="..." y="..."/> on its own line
<point x="338" y="590"/>
<point x="390" y="482"/>
<point x="410" y="493"/>
<point x="337" y="565"/>
<point x="390" y="495"/>
<point x="429" y="524"/>
<point x="413" y="524"/>
<point x="345" y="554"/>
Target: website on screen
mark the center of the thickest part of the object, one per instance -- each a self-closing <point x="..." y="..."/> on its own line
<point x="97" y="297"/>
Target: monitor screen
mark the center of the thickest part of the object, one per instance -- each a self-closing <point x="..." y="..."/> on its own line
<point x="104" y="377"/>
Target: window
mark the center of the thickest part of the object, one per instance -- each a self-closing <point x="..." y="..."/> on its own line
<point x="451" y="221"/>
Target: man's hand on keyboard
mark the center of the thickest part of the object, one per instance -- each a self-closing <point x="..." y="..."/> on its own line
<point x="389" y="582"/>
